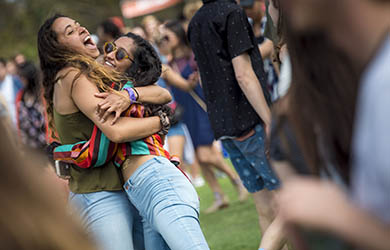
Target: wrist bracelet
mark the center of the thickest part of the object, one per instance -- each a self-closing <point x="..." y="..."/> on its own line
<point x="131" y="93"/>
<point x="135" y="90"/>
<point x="165" y="125"/>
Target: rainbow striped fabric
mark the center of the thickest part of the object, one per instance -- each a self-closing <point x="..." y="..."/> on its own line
<point x="99" y="150"/>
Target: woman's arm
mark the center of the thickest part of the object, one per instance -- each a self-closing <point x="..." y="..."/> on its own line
<point x="118" y="101"/>
<point x="153" y="95"/>
<point x="266" y="49"/>
<point x="175" y="79"/>
<point x="126" y="129"/>
<point x="321" y="205"/>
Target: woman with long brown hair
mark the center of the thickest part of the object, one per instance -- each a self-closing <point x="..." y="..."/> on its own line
<point x="338" y="108"/>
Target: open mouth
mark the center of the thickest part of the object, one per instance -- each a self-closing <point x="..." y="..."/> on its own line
<point x="89" y="43"/>
<point x="107" y="63"/>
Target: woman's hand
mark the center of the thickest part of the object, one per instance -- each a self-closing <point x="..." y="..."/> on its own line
<point x="193" y="79"/>
<point x="113" y="102"/>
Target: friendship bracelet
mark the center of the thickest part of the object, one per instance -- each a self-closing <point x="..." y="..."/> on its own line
<point x="131" y="93"/>
<point x="136" y="93"/>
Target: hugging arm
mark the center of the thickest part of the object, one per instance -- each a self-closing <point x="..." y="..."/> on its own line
<point x="118" y="101"/>
<point x="125" y="130"/>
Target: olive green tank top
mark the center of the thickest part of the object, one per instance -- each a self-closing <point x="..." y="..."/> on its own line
<point x="77" y="127"/>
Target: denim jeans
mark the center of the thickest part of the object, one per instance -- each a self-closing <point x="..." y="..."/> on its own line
<point x="113" y="222"/>
<point x="168" y="204"/>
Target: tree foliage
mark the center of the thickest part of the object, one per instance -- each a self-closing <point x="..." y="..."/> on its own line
<point x="21" y="19"/>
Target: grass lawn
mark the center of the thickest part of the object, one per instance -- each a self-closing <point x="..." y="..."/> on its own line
<point x="233" y="228"/>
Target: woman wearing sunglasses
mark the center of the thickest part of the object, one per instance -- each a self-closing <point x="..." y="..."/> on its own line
<point x="165" y="198"/>
<point x="71" y="78"/>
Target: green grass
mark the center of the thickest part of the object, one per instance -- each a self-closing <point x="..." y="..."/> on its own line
<point x="232" y="228"/>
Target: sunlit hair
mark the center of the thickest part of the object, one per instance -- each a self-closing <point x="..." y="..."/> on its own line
<point x="53" y="57"/>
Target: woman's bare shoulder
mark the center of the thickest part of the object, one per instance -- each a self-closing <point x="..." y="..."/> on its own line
<point x="68" y="75"/>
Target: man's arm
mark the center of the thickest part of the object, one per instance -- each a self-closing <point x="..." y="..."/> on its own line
<point x="251" y="87"/>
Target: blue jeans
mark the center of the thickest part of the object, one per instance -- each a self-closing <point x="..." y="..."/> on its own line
<point x="249" y="159"/>
<point x="113" y="222"/>
<point x="168" y="204"/>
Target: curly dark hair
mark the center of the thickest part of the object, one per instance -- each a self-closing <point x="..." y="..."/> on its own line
<point x="146" y="69"/>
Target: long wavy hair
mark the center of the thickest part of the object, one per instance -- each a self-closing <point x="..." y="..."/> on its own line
<point x="322" y="100"/>
<point x="177" y="28"/>
<point x="53" y="57"/>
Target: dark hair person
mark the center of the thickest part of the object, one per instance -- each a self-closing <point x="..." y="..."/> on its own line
<point x="342" y="88"/>
<point x="71" y="79"/>
<point x="152" y="182"/>
<point x="30" y="111"/>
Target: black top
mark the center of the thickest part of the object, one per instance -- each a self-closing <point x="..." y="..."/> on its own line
<point x="219" y="32"/>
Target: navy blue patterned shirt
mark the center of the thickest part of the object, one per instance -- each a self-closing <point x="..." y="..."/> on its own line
<point x="219" y="32"/>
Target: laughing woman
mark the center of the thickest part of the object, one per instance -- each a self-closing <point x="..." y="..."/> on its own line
<point x="71" y="78"/>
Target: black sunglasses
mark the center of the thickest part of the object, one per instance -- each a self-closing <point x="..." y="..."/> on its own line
<point x="120" y="53"/>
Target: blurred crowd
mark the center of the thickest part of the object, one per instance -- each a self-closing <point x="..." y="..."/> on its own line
<point x="293" y="92"/>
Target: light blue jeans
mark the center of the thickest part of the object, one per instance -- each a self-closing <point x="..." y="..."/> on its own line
<point x="168" y="204"/>
<point x="113" y="222"/>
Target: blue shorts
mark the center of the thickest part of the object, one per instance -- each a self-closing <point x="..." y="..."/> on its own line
<point x="176" y="130"/>
<point x="249" y="160"/>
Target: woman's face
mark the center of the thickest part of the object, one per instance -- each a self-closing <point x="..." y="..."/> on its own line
<point x="74" y="37"/>
<point x="170" y="39"/>
<point x="111" y="59"/>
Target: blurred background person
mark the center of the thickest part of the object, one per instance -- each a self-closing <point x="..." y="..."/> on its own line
<point x="178" y="137"/>
<point x="139" y="30"/>
<point x="32" y="215"/>
<point x="107" y="31"/>
<point x="19" y="59"/>
<point x="189" y="11"/>
<point x="255" y="10"/>
<point x="151" y="25"/>
<point x="9" y="86"/>
<point x="195" y="116"/>
<point x="344" y="129"/>
<point x="30" y="108"/>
